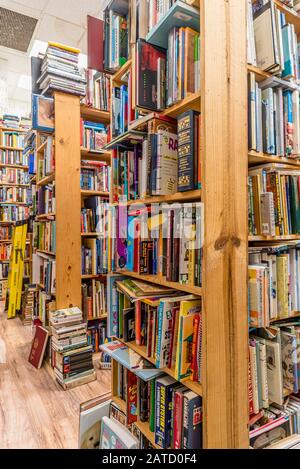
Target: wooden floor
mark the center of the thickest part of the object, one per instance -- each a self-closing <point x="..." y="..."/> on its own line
<point x="34" y="410"/>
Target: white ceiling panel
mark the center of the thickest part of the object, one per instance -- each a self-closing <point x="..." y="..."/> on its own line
<point x="51" y="28"/>
<point x="24" y="7"/>
<point x="73" y="11"/>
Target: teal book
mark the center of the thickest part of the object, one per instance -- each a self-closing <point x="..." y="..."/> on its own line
<point x="288" y="71"/>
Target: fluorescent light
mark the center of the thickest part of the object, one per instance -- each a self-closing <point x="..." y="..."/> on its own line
<point x="25" y="82"/>
<point x="38" y="47"/>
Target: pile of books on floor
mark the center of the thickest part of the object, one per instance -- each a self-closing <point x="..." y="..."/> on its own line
<point x="10" y="121"/>
<point x="71" y="356"/>
<point x="60" y="70"/>
<point x="28" y="301"/>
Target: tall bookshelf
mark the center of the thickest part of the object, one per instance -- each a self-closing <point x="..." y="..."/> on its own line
<point x="11" y="153"/>
<point x="259" y="158"/>
<point x="222" y="103"/>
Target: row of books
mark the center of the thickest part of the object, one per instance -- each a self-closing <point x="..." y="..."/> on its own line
<point x="95" y="176"/>
<point x="13" y="194"/>
<point x="96" y="335"/>
<point x="12" y="139"/>
<point x="14" y="213"/>
<point x="14" y="176"/>
<point x="71" y="356"/>
<point x="10" y="121"/>
<point x="116" y="45"/>
<point x="44" y="236"/>
<point x="94" y="215"/>
<point x="5" y="233"/>
<point x="94" y="256"/>
<point x="173" y="412"/>
<point x="274" y="117"/>
<point x="165" y="162"/>
<point x="157" y="10"/>
<point x="274" y="283"/>
<point x="273" y="369"/>
<point x="272" y="41"/>
<point x="5" y="251"/>
<point x="93" y="135"/>
<point x="121" y="110"/>
<point x="46" y="164"/>
<point x="29" y="152"/>
<point x="94" y="302"/>
<point x="44" y="273"/>
<point x="274" y="199"/>
<point x="13" y="157"/>
<point x="165" y="241"/>
<point x="60" y="71"/>
<point x="4" y="269"/>
<point x="45" y="199"/>
<point x="97" y="90"/>
<point x="168" y="326"/>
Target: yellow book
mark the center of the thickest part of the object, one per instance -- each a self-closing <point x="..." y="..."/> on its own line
<point x="188" y="308"/>
<point x="64" y="47"/>
<point x="282" y="286"/>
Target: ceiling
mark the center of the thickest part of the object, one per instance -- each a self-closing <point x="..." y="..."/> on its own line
<point x="62" y="21"/>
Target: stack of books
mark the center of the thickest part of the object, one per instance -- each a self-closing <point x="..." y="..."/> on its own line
<point x="25" y="123"/>
<point x="5" y="233"/>
<point x="28" y="301"/>
<point x="60" y="71"/>
<point x="97" y="90"/>
<point x="71" y="355"/>
<point x="10" y="121"/>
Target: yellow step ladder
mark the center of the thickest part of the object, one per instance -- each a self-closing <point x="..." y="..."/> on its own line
<point x="16" y="269"/>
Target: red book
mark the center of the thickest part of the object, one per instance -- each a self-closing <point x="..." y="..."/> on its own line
<point x="95" y="43"/>
<point x="38" y="347"/>
<point x="178" y="423"/>
<point x="131" y="398"/>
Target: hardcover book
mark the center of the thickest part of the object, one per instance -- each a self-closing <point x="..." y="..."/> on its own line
<point x="38" y="347"/>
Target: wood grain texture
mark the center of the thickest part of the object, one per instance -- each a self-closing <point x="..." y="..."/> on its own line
<point x="224" y="156"/>
<point x="35" y="412"/>
<point x="68" y="200"/>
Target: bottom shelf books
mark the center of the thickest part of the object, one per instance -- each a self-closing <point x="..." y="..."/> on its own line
<point x="94" y="299"/>
<point x="71" y="356"/>
<point x="96" y="334"/>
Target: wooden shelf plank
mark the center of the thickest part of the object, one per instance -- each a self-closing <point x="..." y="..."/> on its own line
<point x="41" y="148"/>
<point x="11" y="129"/>
<point x="274" y="239"/>
<point x="17" y="166"/>
<point x="117" y="77"/>
<point x="95" y="115"/>
<point x="95" y="155"/>
<point x="6" y="147"/>
<point x="91" y="235"/>
<point x="178" y="197"/>
<point x="14" y="203"/>
<point x="91" y="276"/>
<point x="191" y="102"/>
<point x="261" y="75"/>
<point x="255" y="158"/>
<point x="96" y="193"/>
<point x="47" y="253"/>
<point x="161" y="281"/>
<point x="45" y="216"/>
<point x="120" y="403"/>
<point x="7" y="184"/>
<point x="46" y="180"/>
<point x="104" y="316"/>
<point x="291" y="15"/>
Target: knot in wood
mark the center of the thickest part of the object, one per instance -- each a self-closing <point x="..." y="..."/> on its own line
<point x="236" y="241"/>
<point x="221" y="243"/>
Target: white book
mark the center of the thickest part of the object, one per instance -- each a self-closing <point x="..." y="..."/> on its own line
<point x="254" y="378"/>
<point x="116" y="436"/>
<point x="274" y="372"/>
<point x="267" y="213"/>
<point x="167" y="163"/>
<point x="90" y="424"/>
<point x="296" y="116"/>
<point x="251" y="52"/>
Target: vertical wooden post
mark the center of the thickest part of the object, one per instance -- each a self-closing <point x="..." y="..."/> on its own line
<point x="224" y="156"/>
<point x="68" y="200"/>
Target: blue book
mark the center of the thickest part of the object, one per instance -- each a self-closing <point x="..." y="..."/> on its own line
<point x="42" y="113"/>
<point x="192" y="421"/>
<point x="131" y="360"/>
<point x="288" y="71"/>
<point x="160" y="313"/>
<point x="112" y="305"/>
<point x="163" y="414"/>
<point x="130" y="243"/>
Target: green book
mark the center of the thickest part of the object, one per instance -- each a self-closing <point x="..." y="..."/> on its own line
<point x="152" y="406"/>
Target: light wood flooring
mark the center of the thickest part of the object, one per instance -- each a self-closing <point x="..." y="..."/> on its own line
<point x="35" y="412"/>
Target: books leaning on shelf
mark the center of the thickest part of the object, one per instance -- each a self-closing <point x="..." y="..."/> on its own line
<point x="274" y="117"/>
<point x="97" y="90"/>
<point x="46" y="164"/>
<point x="13" y="195"/>
<point x="45" y="199"/>
<point x="93" y="135"/>
<point x="13" y="157"/>
<point x="273" y="42"/>
<point x="94" y="215"/>
<point x="44" y="236"/>
<point x="13" y="213"/>
<point x="44" y="268"/>
<point x="14" y="176"/>
<point x="96" y="335"/>
<point x="5" y="233"/>
<point x="4" y="269"/>
<point x="12" y="139"/>
<point x="94" y="256"/>
<point x="71" y="356"/>
<point x="95" y="176"/>
<point x="274" y="200"/>
<point x="10" y="121"/>
<point x="94" y="299"/>
<point x="60" y="71"/>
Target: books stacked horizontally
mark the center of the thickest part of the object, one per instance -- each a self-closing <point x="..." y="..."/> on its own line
<point x="25" y="123"/>
<point x="10" y="121"/>
<point x="71" y="355"/>
<point x="60" y="71"/>
<point x="28" y="300"/>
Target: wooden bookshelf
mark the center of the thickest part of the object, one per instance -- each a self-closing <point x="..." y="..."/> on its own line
<point x="191" y="102"/>
<point x="188" y="196"/>
<point x="95" y="155"/>
<point x="5" y="147"/>
<point x="46" y="253"/>
<point x="7" y="184"/>
<point x="91" y="235"/>
<point x="255" y="158"/>
<point x="16" y="166"/>
<point x="85" y="193"/>
<point x="274" y="239"/>
<point x="45" y="216"/>
<point x="290" y="15"/>
<point x="46" y="180"/>
<point x="117" y="77"/>
<point x="144" y="429"/>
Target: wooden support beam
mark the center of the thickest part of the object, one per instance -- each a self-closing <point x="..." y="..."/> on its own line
<point x="68" y="200"/>
<point x="224" y="157"/>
